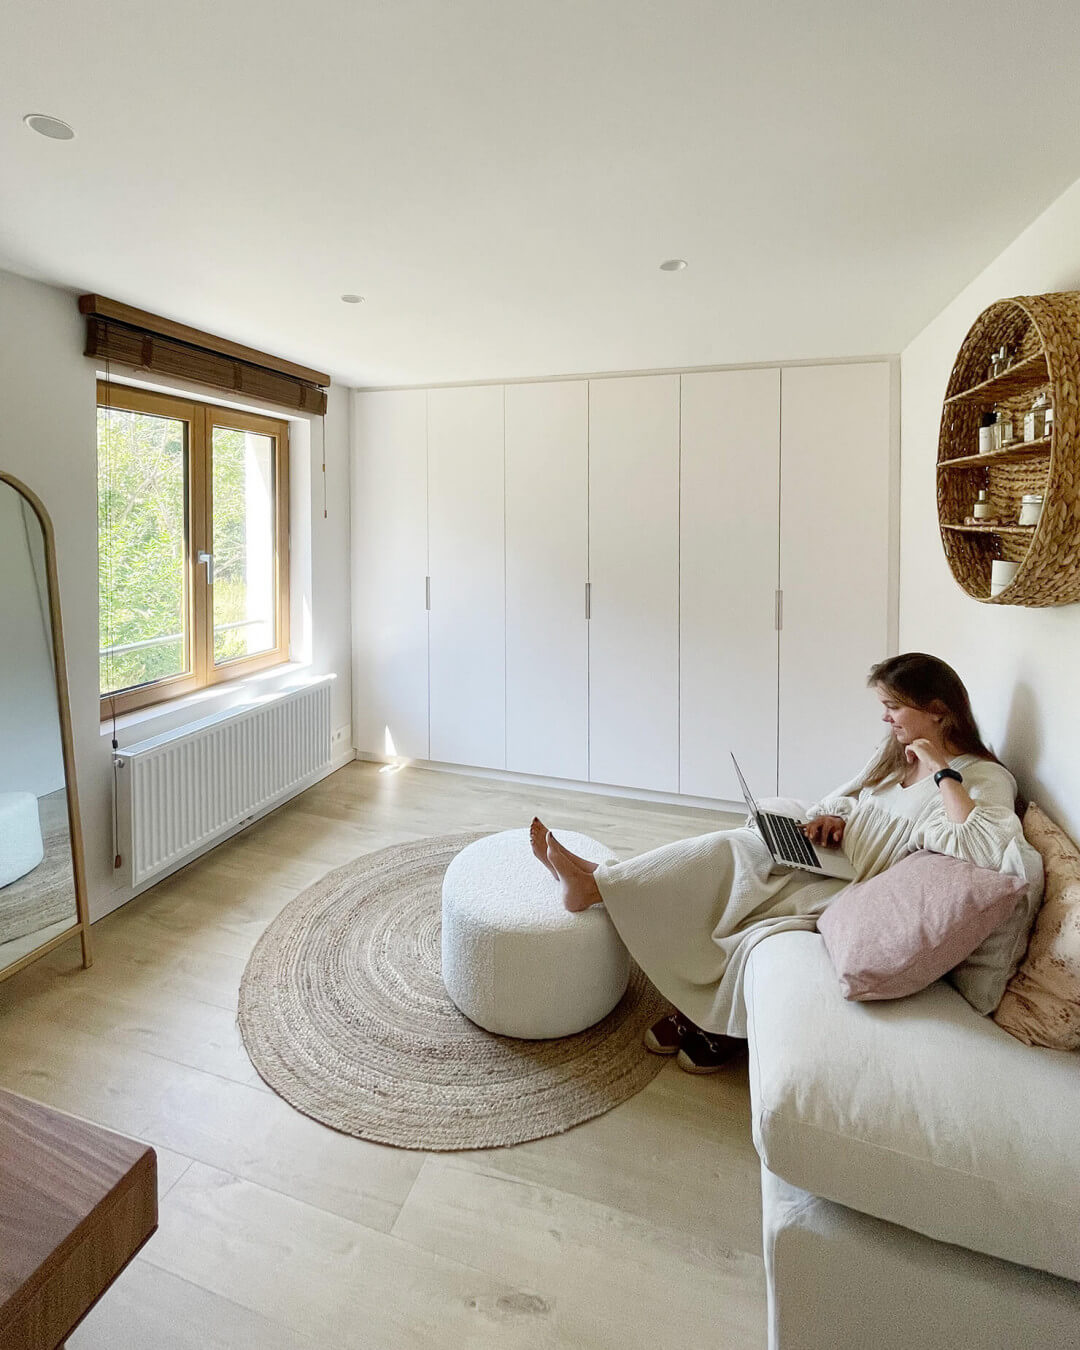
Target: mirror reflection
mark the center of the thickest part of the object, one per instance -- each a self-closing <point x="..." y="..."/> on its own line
<point x="37" y="884"/>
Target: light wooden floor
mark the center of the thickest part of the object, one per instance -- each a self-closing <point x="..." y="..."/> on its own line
<point x="639" y="1229"/>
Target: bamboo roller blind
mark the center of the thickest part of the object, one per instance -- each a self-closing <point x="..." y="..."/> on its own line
<point x="132" y="337"/>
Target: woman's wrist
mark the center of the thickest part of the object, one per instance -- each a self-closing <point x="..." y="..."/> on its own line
<point x="954" y="796"/>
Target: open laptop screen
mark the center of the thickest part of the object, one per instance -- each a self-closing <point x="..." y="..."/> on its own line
<point x="751" y="804"/>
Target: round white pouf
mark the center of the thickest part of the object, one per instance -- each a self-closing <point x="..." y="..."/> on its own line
<point x="514" y="960"/>
<point x="20" y="836"/>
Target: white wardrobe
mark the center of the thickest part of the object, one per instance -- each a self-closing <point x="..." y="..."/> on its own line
<point x="547" y="566"/>
<point x="730" y="534"/>
<point x="634" y="582"/>
<point x="623" y="580"/>
<point x="389" y="571"/>
<point x="466" y="567"/>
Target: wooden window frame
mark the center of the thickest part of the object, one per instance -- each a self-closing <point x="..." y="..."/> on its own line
<point x="201" y="418"/>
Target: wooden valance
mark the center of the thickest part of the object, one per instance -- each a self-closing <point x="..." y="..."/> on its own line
<point x="132" y="337"/>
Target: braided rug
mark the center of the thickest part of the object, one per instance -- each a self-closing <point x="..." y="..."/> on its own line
<point x="344" y="1014"/>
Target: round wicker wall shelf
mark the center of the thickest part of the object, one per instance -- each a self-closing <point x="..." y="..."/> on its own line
<point x="1043" y="334"/>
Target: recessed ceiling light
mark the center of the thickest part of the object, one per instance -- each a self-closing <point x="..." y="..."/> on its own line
<point x="673" y="265"/>
<point x="353" y="299"/>
<point x="49" y="126"/>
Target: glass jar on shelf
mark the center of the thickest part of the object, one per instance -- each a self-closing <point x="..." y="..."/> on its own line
<point x="1035" y="419"/>
<point x="982" y="508"/>
<point x="1031" y="505"/>
<point x="1004" y="430"/>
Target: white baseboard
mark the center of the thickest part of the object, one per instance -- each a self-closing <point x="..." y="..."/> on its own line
<point x="565" y="784"/>
<point x="338" y="761"/>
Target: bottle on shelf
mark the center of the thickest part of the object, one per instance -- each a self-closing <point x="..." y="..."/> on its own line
<point x="986" y="433"/>
<point x="1003" y="428"/>
<point x="981" y="509"/>
<point x="1035" y="419"/>
<point x="1001" y="361"/>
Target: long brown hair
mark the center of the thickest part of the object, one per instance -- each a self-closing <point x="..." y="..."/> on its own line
<point x="920" y="681"/>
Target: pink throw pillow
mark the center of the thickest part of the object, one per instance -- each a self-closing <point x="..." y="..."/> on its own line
<point x="900" y="931"/>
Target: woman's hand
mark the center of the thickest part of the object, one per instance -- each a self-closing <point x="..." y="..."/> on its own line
<point x="827" y="831"/>
<point x="927" y="752"/>
<point x="954" y="796"/>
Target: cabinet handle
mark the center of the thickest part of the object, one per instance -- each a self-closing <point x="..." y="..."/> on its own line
<point x="779" y="616"/>
<point x="427" y="592"/>
<point x="588" y="599"/>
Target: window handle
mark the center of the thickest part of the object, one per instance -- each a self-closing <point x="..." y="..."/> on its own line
<point x="208" y="559"/>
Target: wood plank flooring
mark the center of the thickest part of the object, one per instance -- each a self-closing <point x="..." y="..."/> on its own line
<point x="638" y="1229"/>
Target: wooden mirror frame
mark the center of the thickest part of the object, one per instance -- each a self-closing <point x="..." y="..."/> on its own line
<point x="78" y="867"/>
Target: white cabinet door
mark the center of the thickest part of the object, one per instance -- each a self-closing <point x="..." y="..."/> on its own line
<point x="389" y="564"/>
<point x="729" y="565"/>
<point x="547" y="562"/>
<point x="835" y="560"/>
<point x="634" y="575"/>
<point x="467" y="619"/>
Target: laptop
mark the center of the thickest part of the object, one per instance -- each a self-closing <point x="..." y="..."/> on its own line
<point x="787" y="843"/>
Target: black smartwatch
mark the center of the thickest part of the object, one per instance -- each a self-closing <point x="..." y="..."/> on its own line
<point x="947" y="773"/>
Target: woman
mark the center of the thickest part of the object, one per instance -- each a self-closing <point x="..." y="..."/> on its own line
<point x="691" y="912"/>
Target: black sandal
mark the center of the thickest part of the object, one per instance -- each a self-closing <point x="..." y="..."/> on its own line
<point x="666" y="1036"/>
<point x="704" y="1052"/>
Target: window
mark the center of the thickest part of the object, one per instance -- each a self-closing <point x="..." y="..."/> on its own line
<point x="193" y="551"/>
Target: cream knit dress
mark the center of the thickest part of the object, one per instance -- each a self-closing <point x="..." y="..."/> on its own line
<point x="691" y="912"/>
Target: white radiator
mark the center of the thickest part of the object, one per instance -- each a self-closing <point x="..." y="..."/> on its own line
<point x="179" y="792"/>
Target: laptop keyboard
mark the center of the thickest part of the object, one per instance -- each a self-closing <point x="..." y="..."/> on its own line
<point x="788" y="842"/>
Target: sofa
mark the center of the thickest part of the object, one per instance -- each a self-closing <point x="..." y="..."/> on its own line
<point x="920" y="1167"/>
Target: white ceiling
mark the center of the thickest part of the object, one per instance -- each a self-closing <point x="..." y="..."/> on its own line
<point x="501" y="179"/>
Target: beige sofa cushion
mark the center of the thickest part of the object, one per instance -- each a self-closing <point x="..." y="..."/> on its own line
<point x="839" y="1280"/>
<point x="1041" y="1005"/>
<point x="918" y="1111"/>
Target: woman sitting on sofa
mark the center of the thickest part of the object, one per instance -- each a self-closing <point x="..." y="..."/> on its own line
<point x="691" y="912"/>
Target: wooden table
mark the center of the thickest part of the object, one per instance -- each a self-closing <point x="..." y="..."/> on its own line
<point x="76" y="1203"/>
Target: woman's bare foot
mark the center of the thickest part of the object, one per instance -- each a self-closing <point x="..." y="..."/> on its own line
<point x="538" y="837"/>
<point x="577" y="887"/>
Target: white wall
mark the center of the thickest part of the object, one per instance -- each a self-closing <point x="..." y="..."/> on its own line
<point x="1020" y="664"/>
<point x="47" y="439"/>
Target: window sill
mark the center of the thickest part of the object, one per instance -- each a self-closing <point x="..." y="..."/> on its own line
<point x="203" y="702"/>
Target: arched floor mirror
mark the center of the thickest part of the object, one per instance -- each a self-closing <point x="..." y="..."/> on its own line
<point x="42" y="874"/>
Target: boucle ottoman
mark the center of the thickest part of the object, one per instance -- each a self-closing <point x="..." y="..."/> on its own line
<point x="20" y="836"/>
<point x="513" y="959"/>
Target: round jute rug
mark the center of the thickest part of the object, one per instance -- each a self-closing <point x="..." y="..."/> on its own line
<point x="344" y="1014"/>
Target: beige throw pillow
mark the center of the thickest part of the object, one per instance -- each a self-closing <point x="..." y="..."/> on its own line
<point x="1041" y="1005"/>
